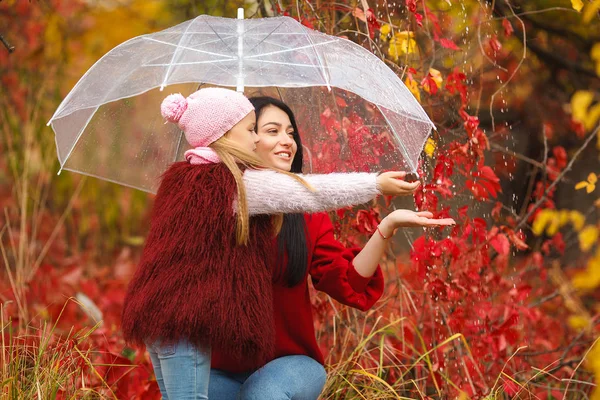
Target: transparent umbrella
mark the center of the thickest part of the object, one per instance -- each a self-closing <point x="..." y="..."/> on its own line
<point x="354" y="113"/>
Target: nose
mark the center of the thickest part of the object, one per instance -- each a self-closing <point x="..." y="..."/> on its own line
<point x="256" y="137"/>
<point x="286" y="140"/>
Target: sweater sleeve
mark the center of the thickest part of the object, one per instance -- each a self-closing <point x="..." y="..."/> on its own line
<point x="332" y="271"/>
<point x="270" y="192"/>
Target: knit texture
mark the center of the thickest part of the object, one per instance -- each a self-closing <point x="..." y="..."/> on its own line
<point x="193" y="282"/>
<point x="270" y="192"/>
<point x="205" y="116"/>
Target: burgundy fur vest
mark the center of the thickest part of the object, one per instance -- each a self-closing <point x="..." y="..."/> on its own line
<point x="193" y="282"/>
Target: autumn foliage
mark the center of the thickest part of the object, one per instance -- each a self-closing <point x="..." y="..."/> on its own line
<point x="504" y="305"/>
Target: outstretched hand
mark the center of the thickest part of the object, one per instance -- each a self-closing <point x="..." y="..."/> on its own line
<point x="409" y="219"/>
<point x="392" y="184"/>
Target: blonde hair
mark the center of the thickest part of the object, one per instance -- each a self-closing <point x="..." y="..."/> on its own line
<point x="232" y="156"/>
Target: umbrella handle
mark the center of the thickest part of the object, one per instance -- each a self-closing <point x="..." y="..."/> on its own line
<point x="411" y="177"/>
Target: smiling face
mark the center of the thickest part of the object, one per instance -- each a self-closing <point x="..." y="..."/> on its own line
<point x="276" y="147"/>
<point x="244" y="133"/>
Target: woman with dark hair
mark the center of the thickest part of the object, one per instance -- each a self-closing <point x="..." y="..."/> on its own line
<point x="305" y="246"/>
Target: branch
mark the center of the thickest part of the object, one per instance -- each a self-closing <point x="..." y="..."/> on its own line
<point x="8" y="46"/>
<point x="542" y="54"/>
<point x="582" y="43"/>
<point x="558" y="179"/>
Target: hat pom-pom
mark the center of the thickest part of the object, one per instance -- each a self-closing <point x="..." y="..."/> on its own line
<point x="173" y="107"/>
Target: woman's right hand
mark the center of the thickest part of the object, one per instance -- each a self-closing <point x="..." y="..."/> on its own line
<point x="392" y="184"/>
<point x="409" y="219"/>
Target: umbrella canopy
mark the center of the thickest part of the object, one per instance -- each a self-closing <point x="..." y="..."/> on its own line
<point x="354" y="112"/>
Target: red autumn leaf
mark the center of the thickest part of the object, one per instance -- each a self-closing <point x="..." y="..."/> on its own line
<point x="372" y="22"/>
<point x="448" y="44"/>
<point x="496" y="210"/>
<point x="411" y="5"/>
<point x="500" y="243"/>
<point x="560" y="154"/>
<point x="340" y="102"/>
<point x="510" y="388"/>
<point x="508" y="29"/>
<point x="517" y="238"/>
<point x="419" y="19"/>
<point x="429" y="84"/>
<point x="495" y="44"/>
<point x="578" y="128"/>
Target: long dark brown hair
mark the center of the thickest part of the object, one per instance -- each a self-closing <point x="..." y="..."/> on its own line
<point x="292" y="236"/>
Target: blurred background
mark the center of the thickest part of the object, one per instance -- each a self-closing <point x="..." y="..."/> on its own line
<point x="506" y="305"/>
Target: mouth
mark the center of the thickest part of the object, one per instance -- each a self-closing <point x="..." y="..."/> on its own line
<point x="284" y="155"/>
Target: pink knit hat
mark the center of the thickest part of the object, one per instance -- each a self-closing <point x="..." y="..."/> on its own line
<point x="204" y="117"/>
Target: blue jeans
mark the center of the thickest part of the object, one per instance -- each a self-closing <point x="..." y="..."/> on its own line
<point x="285" y="378"/>
<point x="181" y="370"/>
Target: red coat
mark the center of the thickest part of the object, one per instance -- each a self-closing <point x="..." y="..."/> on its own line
<point x="331" y="269"/>
<point x="193" y="282"/>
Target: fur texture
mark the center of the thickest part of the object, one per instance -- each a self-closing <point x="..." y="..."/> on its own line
<point x="193" y="281"/>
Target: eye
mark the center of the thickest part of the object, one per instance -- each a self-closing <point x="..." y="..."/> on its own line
<point x="272" y="131"/>
<point x="291" y="134"/>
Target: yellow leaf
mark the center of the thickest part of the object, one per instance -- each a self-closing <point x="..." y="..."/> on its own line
<point x="579" y="322"/>
<point x="590" y="278"/>
<point x="436" y="76"/>
<point x="412" y="85"/>
<point x="590" y="188"/>
<point x="580" y="102"/>
<point x="405" y="35"/>
<point x="384" y="31"/>
<point x="563" y="217"/>
<point x="463" y="396"/>
<point x="581" y="185"/>
<point x="577" y="4"/>
<point x="402" y="43"/>
<point x="577" y="219"/>
<point x="595" y="55"/>
<point x="592" y="117"/>
<point x="588" y="237"/>
<point x="430" y="147"/>
<point x="542" y="220"/>
<point x="592" y="178"/>
<point x="591" y="10"/>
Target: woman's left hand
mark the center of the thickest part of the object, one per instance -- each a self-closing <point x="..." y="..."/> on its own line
<point x="409" y="218"/>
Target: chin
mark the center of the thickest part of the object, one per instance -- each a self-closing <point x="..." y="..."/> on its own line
<point x="286" y="166"/>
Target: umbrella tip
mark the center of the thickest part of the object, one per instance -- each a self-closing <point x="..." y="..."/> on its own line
<point x="161" y="88"/>
<point x="59" y="171"/>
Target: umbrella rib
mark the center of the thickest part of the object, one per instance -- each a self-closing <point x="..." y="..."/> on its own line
<point x="190" y="48"/>
<point x="288" y="50"/>
<point x="189" y="63"/>
<point x="404" y="150"/>
<point x="77" y="139"/>
<point x="195" y="48"/>
<point x="175" y="53"/>
<point x="320" y="61"/>
<point x="220" y="61"/>
<point x="265" y="38"/>
<point x="220" y="38"/>
<point x="232" y="35"/>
